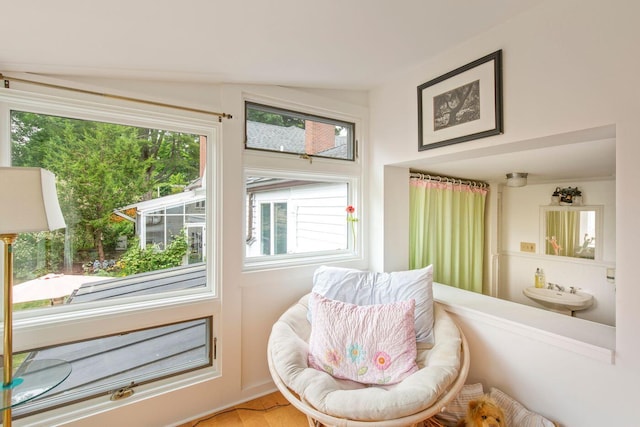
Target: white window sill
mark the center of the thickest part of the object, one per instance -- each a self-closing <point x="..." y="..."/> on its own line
<point x="572" y="334"/>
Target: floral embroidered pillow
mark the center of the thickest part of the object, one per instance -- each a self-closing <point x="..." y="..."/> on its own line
<point x="370" y="344"/>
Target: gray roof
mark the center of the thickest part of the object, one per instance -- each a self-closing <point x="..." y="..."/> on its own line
<point x="277" y="138"/>
<point x="288" y="139"/>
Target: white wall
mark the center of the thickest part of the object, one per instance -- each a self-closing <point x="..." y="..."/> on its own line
<point x="568" y="65"/>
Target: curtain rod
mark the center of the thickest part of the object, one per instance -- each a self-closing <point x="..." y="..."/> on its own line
<point x="7" y="79"/>
<point x="440" y="178"/>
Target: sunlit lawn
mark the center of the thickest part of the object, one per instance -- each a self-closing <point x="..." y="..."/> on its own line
<point x="31" y="304"/>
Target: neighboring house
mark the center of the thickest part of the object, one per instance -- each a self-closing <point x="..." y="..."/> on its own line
<point x="288" y="216"/>
<point x="158" y="220"/>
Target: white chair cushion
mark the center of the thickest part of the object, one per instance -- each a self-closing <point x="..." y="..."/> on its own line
<point x="438" y="368"/>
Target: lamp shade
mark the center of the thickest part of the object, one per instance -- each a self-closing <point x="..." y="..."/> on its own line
<point x="28" y="201"/>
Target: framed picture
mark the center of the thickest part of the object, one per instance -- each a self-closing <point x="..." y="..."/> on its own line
<point x="461" y="105"/>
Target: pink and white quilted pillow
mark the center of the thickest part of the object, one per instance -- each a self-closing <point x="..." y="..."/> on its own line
<point x="370" y="344"/>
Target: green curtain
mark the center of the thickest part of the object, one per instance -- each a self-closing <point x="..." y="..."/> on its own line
<point x="446" y="226"/>
<point x="563" y="232"/>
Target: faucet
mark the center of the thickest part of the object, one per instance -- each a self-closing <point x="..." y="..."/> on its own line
<point x="558" y="287"/>
<point x="573" y="289"/>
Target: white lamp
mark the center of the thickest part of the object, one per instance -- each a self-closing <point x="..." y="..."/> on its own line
<point x="28" y="203"/>
<point x="517" y="179"/>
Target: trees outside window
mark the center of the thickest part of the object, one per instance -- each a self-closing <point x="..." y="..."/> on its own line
<point x="100" y="167"/>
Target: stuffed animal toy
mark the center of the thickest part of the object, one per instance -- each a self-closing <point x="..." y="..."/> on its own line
<point x="483" y="412"/>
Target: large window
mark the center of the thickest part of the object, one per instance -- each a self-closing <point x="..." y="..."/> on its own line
<point x="124" y="191"/>
<point x="296" y="206"/>
<point x="137" y="191"/>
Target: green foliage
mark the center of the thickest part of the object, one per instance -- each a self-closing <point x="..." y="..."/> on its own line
<point x="36" y="254"/>
<point x="273" y="118"/>
<point x="114" y="230"/>
<point x="99" y="167"/>
<point x="151" y="258"/>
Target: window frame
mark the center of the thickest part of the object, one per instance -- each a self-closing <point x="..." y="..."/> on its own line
<point x="274" y="164"/>
<point x="62" y="324"/>
<point x="352" y="148"/>
<point x="35" y="406"/>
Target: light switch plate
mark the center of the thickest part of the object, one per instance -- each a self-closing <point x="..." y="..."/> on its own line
<point x="527" y="247"/>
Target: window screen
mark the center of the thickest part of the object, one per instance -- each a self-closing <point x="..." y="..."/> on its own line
<point x="274" y="129"/>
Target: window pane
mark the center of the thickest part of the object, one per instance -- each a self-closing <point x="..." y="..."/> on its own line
<point x="295" y="216"/>
<point x="275" y="129"/>
<point x="196" y="244"/>
<point x="155" y="231"/>
<point x="106" y="364"/>
<point x="175" y="227"/>
<point x="176" y="210"/>
<point x="195" y="212"/>
<point x="122" y="190"/>
<point x="280" y="228"/>
<point x="265" y="226"/>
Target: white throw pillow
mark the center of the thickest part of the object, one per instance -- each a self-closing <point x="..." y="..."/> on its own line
<point x="368" y="288"/>
<point x="516" y="414"/>
<point x="457" y="408"/>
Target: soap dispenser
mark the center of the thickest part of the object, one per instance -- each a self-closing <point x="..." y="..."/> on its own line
<point x="539" y="279"/>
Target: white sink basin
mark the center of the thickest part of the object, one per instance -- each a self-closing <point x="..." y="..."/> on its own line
<point x="559" y="300"/>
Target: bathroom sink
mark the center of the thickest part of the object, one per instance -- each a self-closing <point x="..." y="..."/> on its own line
<point x="559" y="300"/>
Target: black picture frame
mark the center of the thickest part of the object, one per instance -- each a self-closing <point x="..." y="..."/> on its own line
<point x="461" y="105"/>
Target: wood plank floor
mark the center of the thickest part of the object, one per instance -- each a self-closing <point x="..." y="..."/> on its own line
<point x="256" y="413"/>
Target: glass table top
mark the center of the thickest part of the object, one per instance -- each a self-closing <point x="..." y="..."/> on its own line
<point x="34" y="378"/>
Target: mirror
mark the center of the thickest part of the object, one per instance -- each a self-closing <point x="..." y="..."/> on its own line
<point x="571" y="231"/>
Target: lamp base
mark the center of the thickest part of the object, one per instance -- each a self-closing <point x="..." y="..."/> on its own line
<point x="33" y="379"/>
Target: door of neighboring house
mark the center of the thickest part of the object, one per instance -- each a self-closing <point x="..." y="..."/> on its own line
<point x="196" y="241"/>
<point x="273" y="228"/>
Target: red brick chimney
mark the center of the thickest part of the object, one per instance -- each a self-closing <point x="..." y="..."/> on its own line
<point x="318" y="137"/>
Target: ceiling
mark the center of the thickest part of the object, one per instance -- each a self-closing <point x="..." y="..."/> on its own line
<point x="339" y="44"/>
<point x="557" y="163"/>
<point x="332" y="44"/>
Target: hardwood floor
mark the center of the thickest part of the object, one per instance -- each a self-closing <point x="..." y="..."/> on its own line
<point x="271" y="410"/>
<point x="256" y="414"/>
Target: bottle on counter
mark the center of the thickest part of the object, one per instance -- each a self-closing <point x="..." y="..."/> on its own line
<point x="539" y="278"/>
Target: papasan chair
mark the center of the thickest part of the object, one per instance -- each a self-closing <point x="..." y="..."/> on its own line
<point x="328" y="396"/>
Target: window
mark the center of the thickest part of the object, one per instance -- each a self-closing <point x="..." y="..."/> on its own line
<point x="156" y="352"/>
<point x="295" y="216"/>
<point x="295" y="209"/>
<point x="275" y="129"/>
<point x="137" y="190"/>
<point x="273" y="228"/>
<point x="116" y="183"/>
